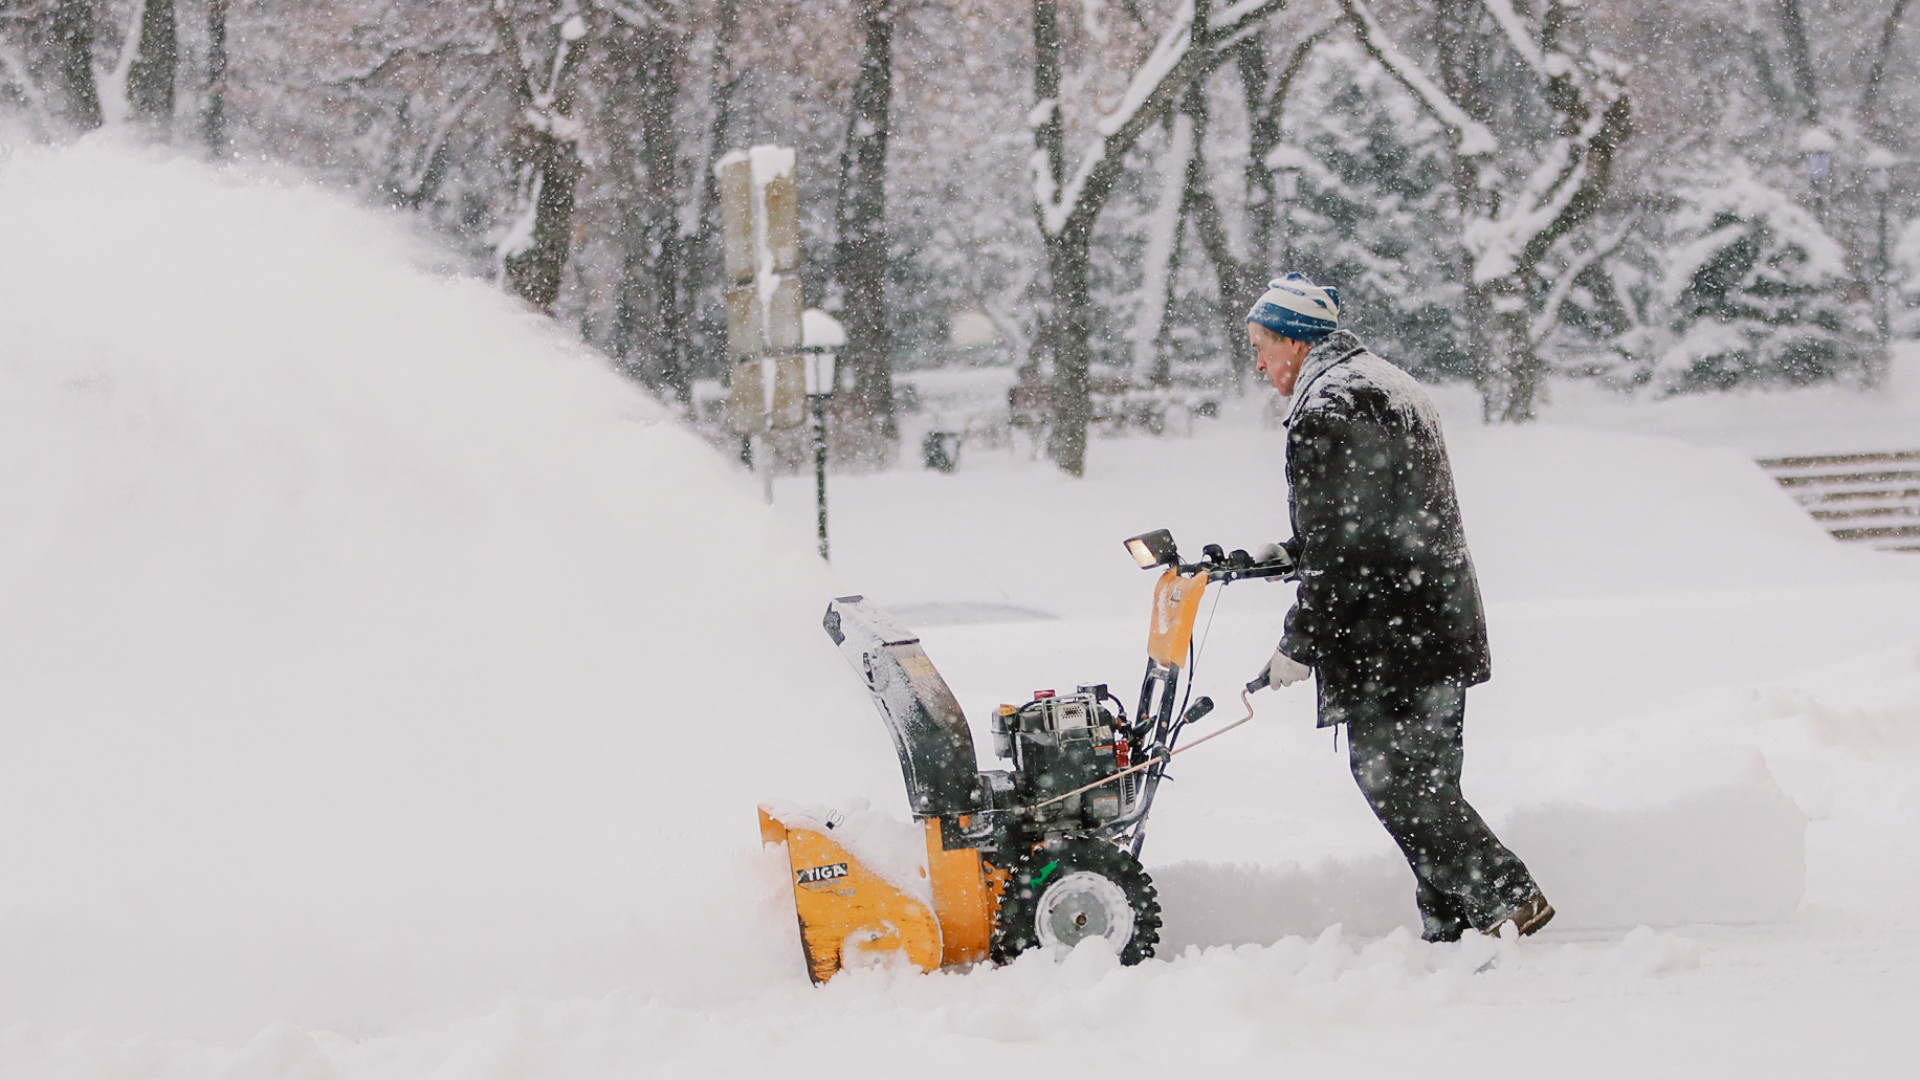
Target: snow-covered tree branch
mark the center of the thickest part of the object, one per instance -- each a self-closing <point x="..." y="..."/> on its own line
<point x="1519" y="196"/>
<point x="1196" y="39"/>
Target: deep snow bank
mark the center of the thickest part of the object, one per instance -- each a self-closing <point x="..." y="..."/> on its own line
<point x="365" y="647"/>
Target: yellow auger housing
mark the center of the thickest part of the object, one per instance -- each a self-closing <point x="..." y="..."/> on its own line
<point x="851" y="916"/>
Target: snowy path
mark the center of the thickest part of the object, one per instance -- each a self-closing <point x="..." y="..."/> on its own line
<point x="1814" y="999"/>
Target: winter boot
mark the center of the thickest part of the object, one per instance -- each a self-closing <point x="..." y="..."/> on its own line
<point x="1527" y="916"/>
<point x="1442" y="917"/>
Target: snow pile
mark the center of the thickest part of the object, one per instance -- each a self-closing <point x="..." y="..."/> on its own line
<point x="368" y="649"/>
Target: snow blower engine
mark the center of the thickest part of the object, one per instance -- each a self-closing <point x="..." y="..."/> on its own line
<point x="1044" y="853"/>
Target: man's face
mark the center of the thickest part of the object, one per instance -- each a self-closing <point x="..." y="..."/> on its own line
<point x="1278" y="358"/>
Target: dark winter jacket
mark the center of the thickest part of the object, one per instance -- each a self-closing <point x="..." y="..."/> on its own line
<point x="1387" y="595"/>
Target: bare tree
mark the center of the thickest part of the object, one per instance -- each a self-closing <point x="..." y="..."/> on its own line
<point x="1517" y="199"/>
<point x="1195" y="41"/>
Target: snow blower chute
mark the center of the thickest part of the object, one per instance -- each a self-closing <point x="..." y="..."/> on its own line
<point x="1044" y="853"/>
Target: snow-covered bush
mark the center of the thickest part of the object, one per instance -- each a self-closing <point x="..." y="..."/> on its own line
<point x="1374" y="213"/>
<point x="1752" y="291"/>
<point x="1906" y="282"/>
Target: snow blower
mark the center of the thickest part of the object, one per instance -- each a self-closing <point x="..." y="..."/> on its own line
<point x="1044" y="853"/>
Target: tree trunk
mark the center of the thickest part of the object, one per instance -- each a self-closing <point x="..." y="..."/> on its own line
<point x="73" y="48"/>
<point x="860" y="250"/>
<point x="150" y="78"/>
<point x="1266" y="97"/>
<point x="1068" y="329"/>
<point x="660" y="148"/>
<point x="1877" y="69"/>
<point x="1234" y="279"/>
<point x="1509" y="371"/>
<point x="1068" y="256"/>
<point x="1793" y="27"/>
<point x="546" y="151"/>
<point x="700" y="249"/>
<point x="214" y="118"/>
<point x="552" y="169"/>
<point x="651" y="321"/>
<point x="1263" y="136"/>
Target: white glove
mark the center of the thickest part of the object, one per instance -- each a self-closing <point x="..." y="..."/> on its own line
<point x="1284" y="670"/>
<point x="1272" y="553"/>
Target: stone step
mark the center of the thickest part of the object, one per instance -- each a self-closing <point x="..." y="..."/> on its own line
<point x="1872" y="497"/>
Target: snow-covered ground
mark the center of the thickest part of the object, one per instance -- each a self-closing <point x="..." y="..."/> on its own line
<point x="386" y="689"/>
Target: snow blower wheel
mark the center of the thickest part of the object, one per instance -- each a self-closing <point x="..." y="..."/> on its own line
<point x="1076" y="888"/>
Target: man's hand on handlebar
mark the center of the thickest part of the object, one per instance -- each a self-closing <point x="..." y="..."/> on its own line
<point x="1282" y="670"/>
<point x="1275" y="553"/>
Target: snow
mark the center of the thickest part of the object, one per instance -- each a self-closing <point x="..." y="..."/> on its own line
<point x="819" y="330"/>
<point x="1906" y="258"/>
<point x="388" y="689"/>
<point x="770" y="163"/>
<point x="517" y="237"/>
<point x="1741" y="196"/>
<point x="1817" y="140"/>
<point x="359" y="627"/>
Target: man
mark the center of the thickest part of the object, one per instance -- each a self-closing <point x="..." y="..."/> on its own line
<point x="1388" y="614"/>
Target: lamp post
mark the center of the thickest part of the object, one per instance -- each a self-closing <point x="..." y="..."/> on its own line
<point x="821" y="337"/>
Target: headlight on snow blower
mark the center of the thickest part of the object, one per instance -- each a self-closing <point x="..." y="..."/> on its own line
<point x="1153" y="549"/>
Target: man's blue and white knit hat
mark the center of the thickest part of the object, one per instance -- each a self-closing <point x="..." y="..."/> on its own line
<point x="1297" y="308"/>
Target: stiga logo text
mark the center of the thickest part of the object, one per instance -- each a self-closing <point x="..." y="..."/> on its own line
<point x="813" y="875"/>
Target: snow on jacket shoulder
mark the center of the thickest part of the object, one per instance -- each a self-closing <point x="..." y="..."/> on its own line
<point x="1387" y="590"/>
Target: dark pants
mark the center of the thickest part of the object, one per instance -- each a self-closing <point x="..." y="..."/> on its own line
<point x="1406" y="752"/>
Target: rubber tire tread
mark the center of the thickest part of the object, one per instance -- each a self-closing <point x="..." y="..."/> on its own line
<point x="1014" y="927"/>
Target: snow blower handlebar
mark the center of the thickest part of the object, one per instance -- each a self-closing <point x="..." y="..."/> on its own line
<point x="1156" y="549"/>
